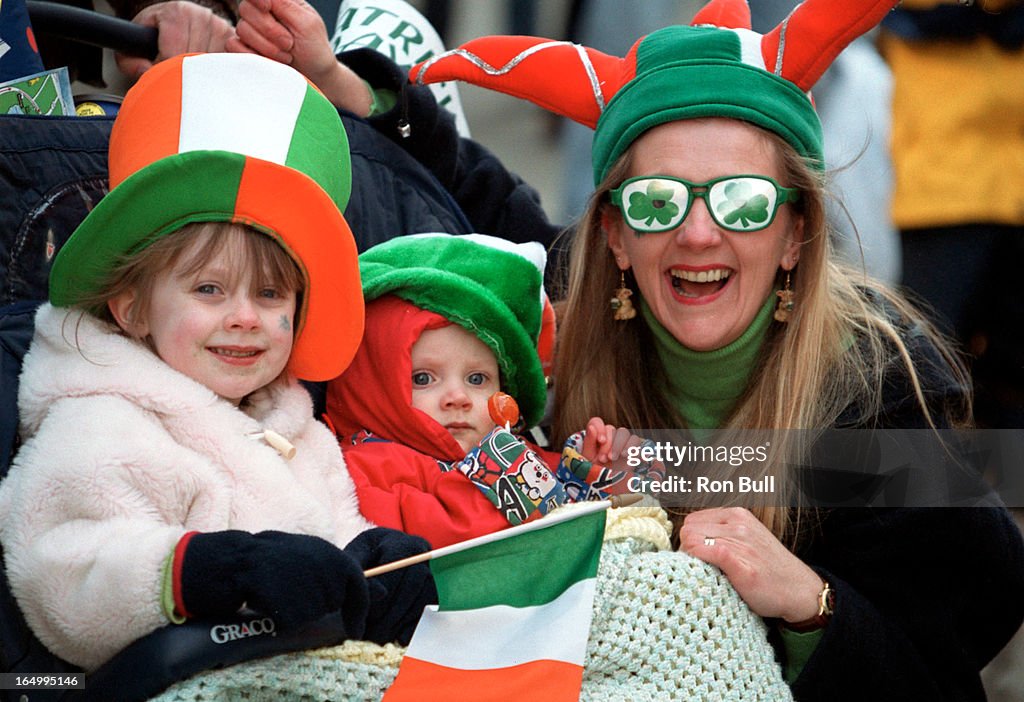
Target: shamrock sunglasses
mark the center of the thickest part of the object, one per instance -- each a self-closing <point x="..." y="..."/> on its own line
<point x="739" y="203"/>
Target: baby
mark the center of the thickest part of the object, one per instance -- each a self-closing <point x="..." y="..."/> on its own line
<point x="451" y="320"/>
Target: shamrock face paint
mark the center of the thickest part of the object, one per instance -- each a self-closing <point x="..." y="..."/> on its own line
<point x="704" y="268"/>
<point x="743" y="203"/>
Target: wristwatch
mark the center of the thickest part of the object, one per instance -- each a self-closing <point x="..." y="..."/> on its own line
<point x="826" y="605"/>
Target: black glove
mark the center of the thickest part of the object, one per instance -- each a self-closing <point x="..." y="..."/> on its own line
<point x="293" y="578"/>
<point x="397" y="598"/>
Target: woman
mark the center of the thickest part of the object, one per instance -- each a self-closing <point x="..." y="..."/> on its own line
<point x="708" y="218"/>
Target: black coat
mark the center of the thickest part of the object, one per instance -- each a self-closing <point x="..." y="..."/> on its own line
<point x="924" y="597"/>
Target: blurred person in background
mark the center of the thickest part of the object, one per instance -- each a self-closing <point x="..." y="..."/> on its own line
<point x="958" y="153"/>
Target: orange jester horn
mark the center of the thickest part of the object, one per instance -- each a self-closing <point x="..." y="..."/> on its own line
<point x="525" y="67"/>
<point x="804" y="44"/>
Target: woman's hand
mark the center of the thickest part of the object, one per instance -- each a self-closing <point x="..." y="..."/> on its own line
<point x="770" y="579"/>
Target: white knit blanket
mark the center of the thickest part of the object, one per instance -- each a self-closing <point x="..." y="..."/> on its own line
<point x="666" y="627"/>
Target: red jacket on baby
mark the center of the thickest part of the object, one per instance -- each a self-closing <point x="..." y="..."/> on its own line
<point x="398" y="456"/>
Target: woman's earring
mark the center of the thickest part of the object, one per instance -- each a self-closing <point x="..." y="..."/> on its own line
<point x="786" y="303"/>
<point x="621" y="305"/>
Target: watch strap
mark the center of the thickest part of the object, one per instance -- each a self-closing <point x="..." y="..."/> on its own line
<point x="826" y="605"/>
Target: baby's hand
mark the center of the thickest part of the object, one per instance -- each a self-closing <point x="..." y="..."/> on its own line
<point x="608" y="445"/>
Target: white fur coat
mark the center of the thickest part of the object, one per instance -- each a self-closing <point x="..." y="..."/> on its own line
<point x="122" y="456"/>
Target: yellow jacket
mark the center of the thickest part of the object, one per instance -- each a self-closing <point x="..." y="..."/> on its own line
<point x="958" y="129"/>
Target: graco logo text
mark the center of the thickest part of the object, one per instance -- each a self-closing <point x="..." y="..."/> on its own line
<point x="223" y="633"/>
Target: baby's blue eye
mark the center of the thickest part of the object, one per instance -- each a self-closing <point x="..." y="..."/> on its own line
<point x="421" y="378"/>
<point x="476" y="378"/>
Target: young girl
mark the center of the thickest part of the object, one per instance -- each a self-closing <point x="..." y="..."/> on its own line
<point x="171" y="465"/>
<point x="450" y="320"/>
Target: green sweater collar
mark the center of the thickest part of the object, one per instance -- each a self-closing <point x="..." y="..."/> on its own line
<point x="704" y="386"/>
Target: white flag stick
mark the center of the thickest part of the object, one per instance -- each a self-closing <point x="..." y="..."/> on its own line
<point x="576" y="510"/>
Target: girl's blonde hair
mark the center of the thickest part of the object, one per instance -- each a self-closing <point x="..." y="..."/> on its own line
<point x="190" y="248"/>
<point x="846" y="332"/>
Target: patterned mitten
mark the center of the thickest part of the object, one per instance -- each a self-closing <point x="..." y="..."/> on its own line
<point x="512" y="477"/>
<point x="585" y="480"/>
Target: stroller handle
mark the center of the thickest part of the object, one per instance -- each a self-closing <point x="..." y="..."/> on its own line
<point x="88" y="27"/>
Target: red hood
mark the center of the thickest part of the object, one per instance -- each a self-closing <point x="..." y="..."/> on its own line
<point x="375" y="393"/>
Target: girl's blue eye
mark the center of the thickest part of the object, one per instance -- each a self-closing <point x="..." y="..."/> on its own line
<point x="207" y="289"/>
<point x="421" y="378"/>
<point x="269" y="293"/>
<point x="476" y="378"/>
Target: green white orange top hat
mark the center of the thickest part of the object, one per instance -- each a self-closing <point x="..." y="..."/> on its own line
<point x="231" y="138"/>
<point x="717" y="67"/>
<point x="492" y="287"/>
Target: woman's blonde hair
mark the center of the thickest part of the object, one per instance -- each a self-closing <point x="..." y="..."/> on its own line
<point x="190" y="248"/>
<point x="846" y="331"/>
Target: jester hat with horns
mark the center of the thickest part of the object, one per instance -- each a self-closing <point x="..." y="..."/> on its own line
<point x="716" y="67"/>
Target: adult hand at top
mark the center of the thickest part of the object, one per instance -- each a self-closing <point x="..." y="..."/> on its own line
<point x="183" y="27"/>
<point x="292" y="32"/>
<point x="768" y="577"/>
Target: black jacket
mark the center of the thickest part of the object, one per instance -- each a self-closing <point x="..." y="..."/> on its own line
<point x="924" y="597"/>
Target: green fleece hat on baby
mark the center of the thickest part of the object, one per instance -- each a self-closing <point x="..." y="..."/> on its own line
<point x="492" y="287"/>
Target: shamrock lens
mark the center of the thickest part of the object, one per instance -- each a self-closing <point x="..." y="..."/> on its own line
<point x="745" y="203"/>
<point x="652" y="204"/>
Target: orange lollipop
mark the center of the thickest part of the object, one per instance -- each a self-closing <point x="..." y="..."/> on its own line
<point x="503" y="409"/>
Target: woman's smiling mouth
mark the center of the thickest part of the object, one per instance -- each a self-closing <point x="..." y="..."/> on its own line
<point x="698" y="286"/>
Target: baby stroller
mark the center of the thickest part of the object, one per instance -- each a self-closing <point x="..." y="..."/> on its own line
<point x="52" y="171"/>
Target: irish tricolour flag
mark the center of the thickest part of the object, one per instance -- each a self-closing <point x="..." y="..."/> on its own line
<point x="513" y="615"/>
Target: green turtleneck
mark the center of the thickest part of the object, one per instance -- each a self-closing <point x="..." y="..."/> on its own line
<point x="704" y="386"/>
